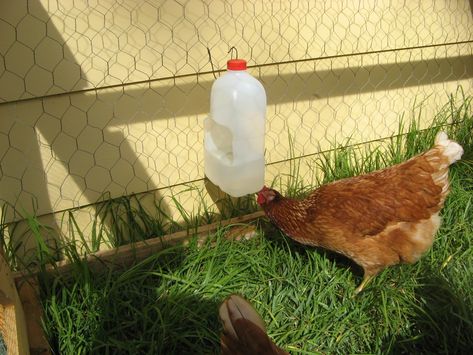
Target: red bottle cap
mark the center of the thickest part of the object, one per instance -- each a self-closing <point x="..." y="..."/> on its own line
<point x="236" y="64"/>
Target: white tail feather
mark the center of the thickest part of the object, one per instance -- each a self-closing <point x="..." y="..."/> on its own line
<point x="452" y="150"/>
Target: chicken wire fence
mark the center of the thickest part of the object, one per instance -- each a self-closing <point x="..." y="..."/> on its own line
<point x="110" y="96"/>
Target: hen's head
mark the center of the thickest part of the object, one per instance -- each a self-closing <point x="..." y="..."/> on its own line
<point x="267" y="195"/>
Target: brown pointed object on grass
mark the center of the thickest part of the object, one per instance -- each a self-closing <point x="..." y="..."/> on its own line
<point x="244" y="332"/>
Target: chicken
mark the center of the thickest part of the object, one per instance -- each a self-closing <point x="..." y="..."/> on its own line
<point x="383" y="218"/>
<point x="244" y="332"/>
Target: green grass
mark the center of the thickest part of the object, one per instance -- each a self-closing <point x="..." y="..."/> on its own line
<point x="167" y="304"/>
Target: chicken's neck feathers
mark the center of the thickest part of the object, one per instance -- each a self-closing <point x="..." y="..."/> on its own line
<point x="291" y="216"/>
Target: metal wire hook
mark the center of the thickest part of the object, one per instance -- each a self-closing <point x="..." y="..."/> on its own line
<point x="232" y="48"/>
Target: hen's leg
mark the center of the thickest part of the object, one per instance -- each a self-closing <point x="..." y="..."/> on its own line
<point x="366" y="279"/>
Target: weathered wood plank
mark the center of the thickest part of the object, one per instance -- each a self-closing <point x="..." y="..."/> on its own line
<point x="127" y="254"/>
<point x="28" y="291"/>
<point x="12" y="318"/>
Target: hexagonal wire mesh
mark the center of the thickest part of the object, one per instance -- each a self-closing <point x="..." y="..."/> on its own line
<point x="109" y="96"/>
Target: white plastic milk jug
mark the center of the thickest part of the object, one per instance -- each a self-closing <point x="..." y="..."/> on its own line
<point x="234" y="132"/>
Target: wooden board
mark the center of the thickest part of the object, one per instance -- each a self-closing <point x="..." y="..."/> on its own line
<point x="128" y="254"/>
<point x="28" y="291"/>
<point x="12" y="319"/>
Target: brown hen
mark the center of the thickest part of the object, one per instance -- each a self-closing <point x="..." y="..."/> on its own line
<point x="387" y="217"/>
<point x="244" y="332"/>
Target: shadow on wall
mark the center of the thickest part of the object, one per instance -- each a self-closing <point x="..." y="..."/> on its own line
<point x="57" y="127"/>
<point x="189" y="99"/>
